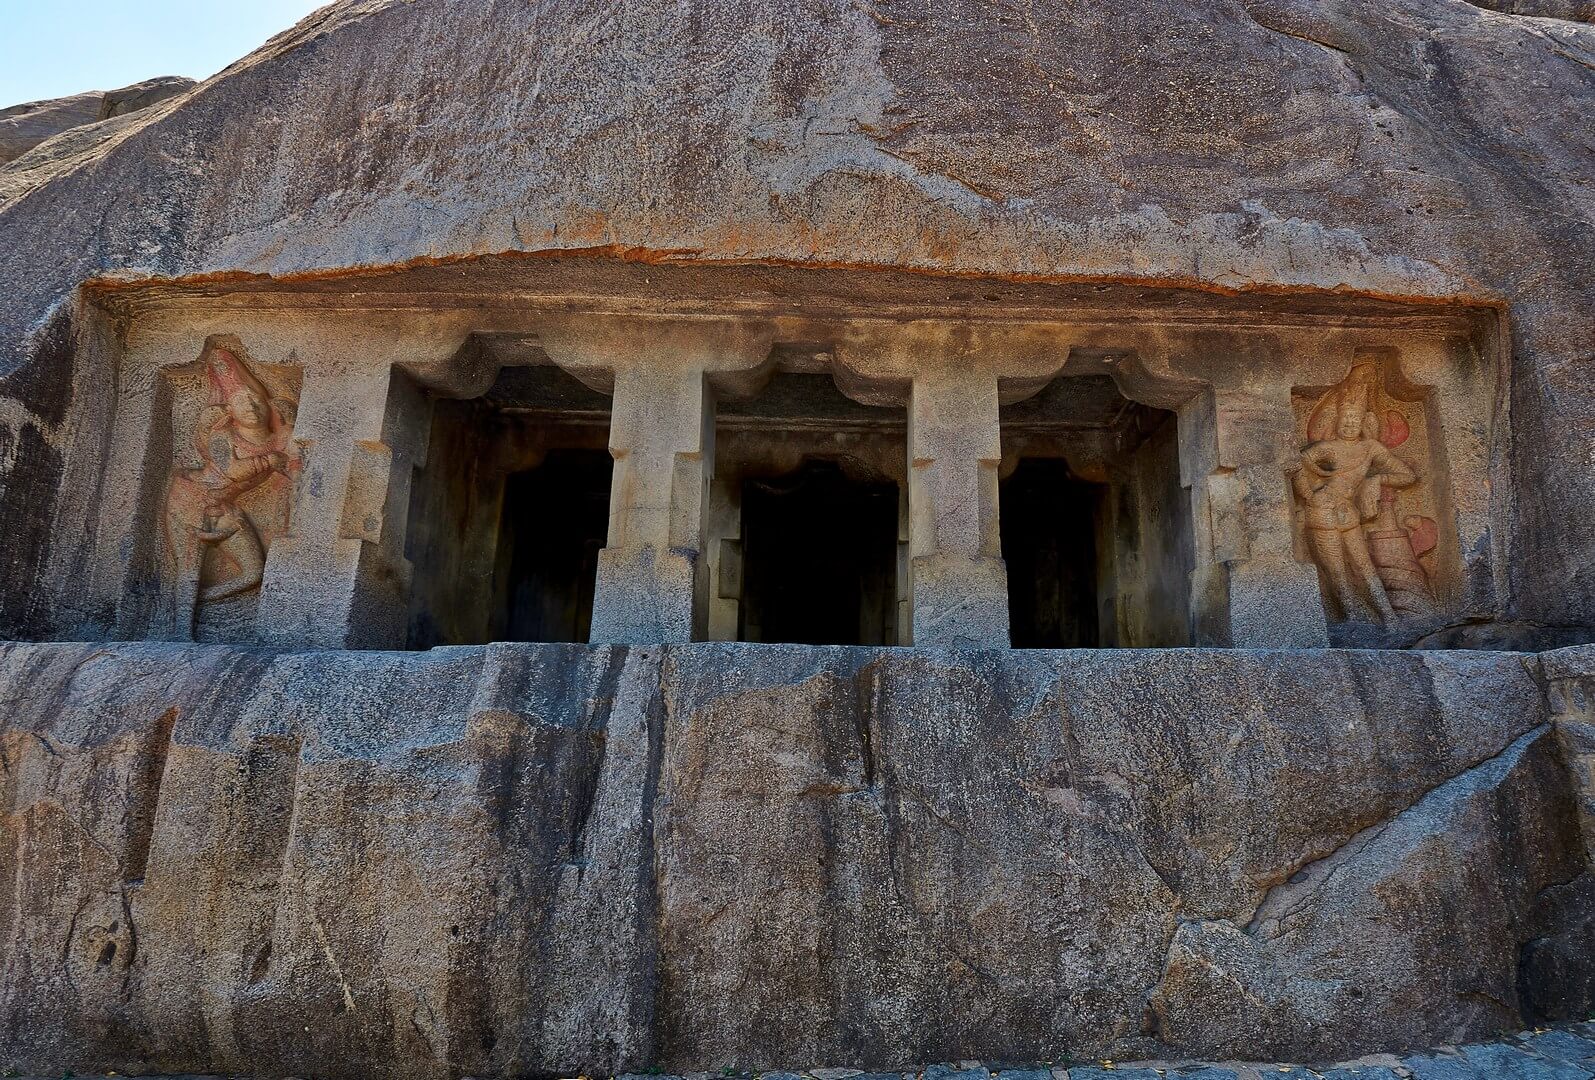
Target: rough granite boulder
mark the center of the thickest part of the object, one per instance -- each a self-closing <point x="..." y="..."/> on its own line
<point x="542" y="859"/>
<point x="23" y="127"/>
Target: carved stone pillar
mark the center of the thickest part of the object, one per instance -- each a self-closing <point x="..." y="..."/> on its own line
<point x="652" y="577"/>
<point x="1248" y="590"/>
<point x="959" y="582"/>
<point x="952" y="376"/>
<point x="661" y="436"/>
<point x="339" y="578"/>
<point x="723" y="539"/>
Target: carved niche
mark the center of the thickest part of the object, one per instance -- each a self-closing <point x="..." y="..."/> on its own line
<point x="231" y="492"/>
<point x="1366" y="487"/>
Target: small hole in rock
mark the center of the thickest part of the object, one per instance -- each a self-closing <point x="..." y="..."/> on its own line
<point x="107" y="953"/>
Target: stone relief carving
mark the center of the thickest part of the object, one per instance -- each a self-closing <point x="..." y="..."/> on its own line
<point x="221" y="515"/>
<point x="1349" y="485"/>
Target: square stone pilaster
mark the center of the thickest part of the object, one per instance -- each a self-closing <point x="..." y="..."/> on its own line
<point x="128" y="571"/>
<point x="339" y="577"/>
<point x="1467" y="485"/>
<point x="1248" y="589"/>
<point x="652" y="585"/>
<point x="959" y="593"/>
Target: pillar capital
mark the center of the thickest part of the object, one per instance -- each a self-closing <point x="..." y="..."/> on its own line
<point x="878" y="363"/>
<point x="733" y="354"/>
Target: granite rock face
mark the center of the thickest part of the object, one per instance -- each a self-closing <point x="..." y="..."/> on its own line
<point x="1427" y="149"/>
<point x="540" y="859"/>
<point x="1581" y="10"/>
<point x="24" y="127"/>
<point x="544" y="860"/>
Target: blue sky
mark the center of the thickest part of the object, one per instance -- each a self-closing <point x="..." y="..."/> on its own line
<point x="51" y="48"/>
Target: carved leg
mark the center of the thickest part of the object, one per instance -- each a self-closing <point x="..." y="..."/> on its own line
<point x="1329" y="552"/>
<point x="243" y="545"/>
<point x="1367" y="576"/>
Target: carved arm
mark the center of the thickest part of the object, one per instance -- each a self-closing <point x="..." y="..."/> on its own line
<point x="1392" y="471"/>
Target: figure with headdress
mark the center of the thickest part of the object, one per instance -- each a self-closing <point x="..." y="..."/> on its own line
<point x="222" y="515"/>
<point x="1345" y="482"/>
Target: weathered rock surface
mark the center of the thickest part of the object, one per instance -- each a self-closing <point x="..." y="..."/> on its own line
<point x="1556" y="1054"/>
<point x="535" y="860"/>
<point x="519" y="859"/>
<point x="1426" y="149"/>
<point x="1582" y="10"/>
<point x="23" y="127"/>
<point x="141" y="95"/>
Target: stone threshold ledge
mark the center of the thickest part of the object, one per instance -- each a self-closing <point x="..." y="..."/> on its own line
<point x="1564" y="1053"/>
<point x="562" y="859"/>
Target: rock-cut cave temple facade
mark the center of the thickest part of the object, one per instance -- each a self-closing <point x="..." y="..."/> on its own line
<point x="442" y="455"/>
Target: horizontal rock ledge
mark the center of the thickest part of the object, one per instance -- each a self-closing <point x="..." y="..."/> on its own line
<point x="1566" y="1051"/>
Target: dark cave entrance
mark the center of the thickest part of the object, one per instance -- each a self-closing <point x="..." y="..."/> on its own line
<point x="509" y="508"/>
<point x="819" y="558"/>
<point x="1049" y="524"/>
<point x="556" y="519"/>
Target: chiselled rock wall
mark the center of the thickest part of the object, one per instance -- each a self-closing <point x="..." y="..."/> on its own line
<point x="1422" y="150"/>
<point x="539" y="859"/>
